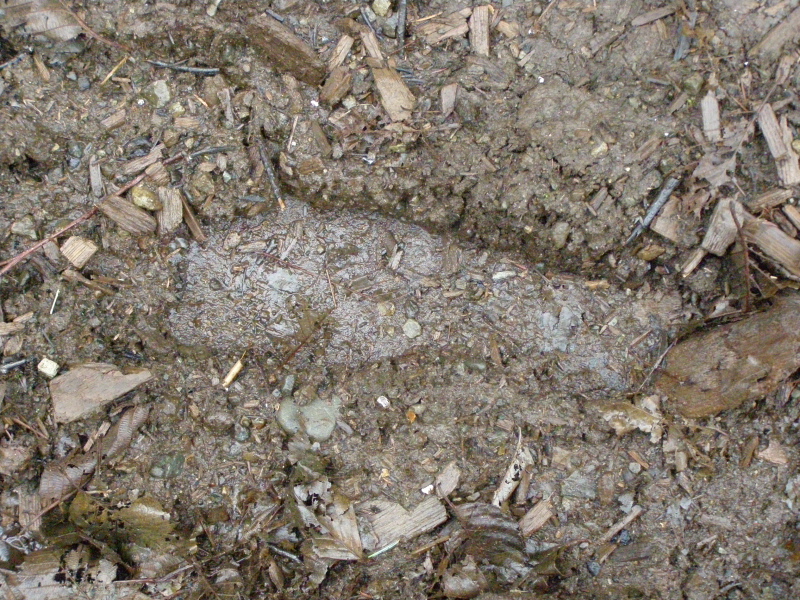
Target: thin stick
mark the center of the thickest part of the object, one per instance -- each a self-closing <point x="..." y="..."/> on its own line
<point x="615" y="529"/>
<point x="745" y="257"/>
<point x="182" y="69"/>
<point x="654" y="209"/>
<point x="273" y="180"/>
<point x="402" y="11"/>
<point x="12" y="262"/>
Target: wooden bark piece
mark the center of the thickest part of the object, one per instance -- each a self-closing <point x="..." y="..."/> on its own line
<point x="479" y="30"/>
<point x="171" y="213"/>
<point x="725" y="367"/>
<point x="772" y="241"/>
<point x="786" y="31"/>
<point x="129" y="217"/>
<point x="396" y="98"/>
<point x="285" y="50"/>
<point x="88" y="387"/>
<point x="779" y="140"/>
<point x="78" y="250"/>
<point x="337" y="86"/>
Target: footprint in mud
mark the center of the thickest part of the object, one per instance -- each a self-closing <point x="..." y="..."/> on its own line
<point x="367" y="287"/>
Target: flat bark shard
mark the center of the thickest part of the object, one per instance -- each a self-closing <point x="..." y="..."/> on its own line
<point x="736" y="363"/>
<point x="285" y="50"/>
<point x="89" y="387"/>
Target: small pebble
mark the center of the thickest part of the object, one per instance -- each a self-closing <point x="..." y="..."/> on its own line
<point x="635" y="468"/>
<point x="84" y="83"/>
<point x="48" y="368"/>
<point x="594" y="568"/>
<point x="412" y="329"/>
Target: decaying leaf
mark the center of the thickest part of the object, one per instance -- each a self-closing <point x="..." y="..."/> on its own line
<point x="715" y="169"/>
<point x="88" y="387"/>
<point x="41" y="16"/>
<point x="342" y="542"/>
<point x="63" y="477"/>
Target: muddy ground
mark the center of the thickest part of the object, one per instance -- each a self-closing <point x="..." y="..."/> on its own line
<point x="432" y="288"/>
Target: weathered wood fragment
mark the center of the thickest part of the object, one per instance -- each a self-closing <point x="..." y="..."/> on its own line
<point x="78" y="250"/>
<point x="736" y="363"/>
<point x="396" y="98"/>
<point x="129" y="217"/>
<point x="285" y="50"/>
<point x="791" y="212"/>
<point x="779" y="140"/>
<point x="337" y="86"/>
<point x="114" y="120"/>
<point x="776" y="244"/>
<point x="479" y="30"/>
<point x="340" y="52"/>
<point x="769" y="199"/>
<point x="722" y="230"/>
<point x="89" y="387"/>
<point x="171" y="213"/>
<point x="709" y="108"/>
<point x="786" y="31"/>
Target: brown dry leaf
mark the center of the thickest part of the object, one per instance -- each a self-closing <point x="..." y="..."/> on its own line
<point x="41" y="16"/>
<point x="62" y="477"/>
<point x="343" y="541"/>
<point x="89" y="387"/>
<point x="714" y="169"/>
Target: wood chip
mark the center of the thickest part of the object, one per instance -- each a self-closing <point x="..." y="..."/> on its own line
<point x="723" y="368"/>
<point x="114" y="120"/>
<point x="779" y="140"/>
<point x="769" y="199"/>
<point x="96" y="178"/>
<point x="536" y="518"/>
<point x="340" y="52"/>
<point x="337" y="86"/>
<point x="371" y="45"/>
<point x="187" y="122"/>
<point x="390" y="522"/>
<point x="171" y="214"/>
<point x="30" y="509"/>
<point x="722" y="232"/>
<point x="285" y="50"/>
<point x="88" y="387"/>
<point x="791" y="212"/>
<point x="157" y="173"/>
<point x="78" y="250"/>
<point x="11" y="328"/>
<point x="786" y="31"/>
<point x="448" y="95"/>
<point x="776" y="244"/>
<point x="710" y="111"/>
<point x="447" y="480"/>
<point x="668" y="222"/>
<point x="396" y="98"/>
<point x="479" y="30"/>
<point x="653" y="15"/>
<point x="137" y="165"/>
<point x="129" y="217"/>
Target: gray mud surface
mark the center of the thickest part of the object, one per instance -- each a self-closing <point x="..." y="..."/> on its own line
<point x="433" y="290"/>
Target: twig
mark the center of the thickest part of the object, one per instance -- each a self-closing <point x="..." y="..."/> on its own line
<point x="654" y="209"/>
<point x="402" y="12"/>
<point x="183" y="69"/>
<point x="615" y="529"/>
<point x="273" y="180"/>
<point x="11" y="263"/>
<point x="745" y="257"/>
<point x="655" y="366"/>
